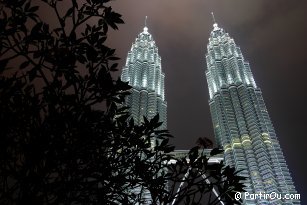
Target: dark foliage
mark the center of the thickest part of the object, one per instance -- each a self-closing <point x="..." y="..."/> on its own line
<point x="66" y="137"/>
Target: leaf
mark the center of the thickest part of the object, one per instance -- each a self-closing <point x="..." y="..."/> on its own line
<point x="155" y="119"/>
<point x="27" y="6"/>
<point x="145" y="120"/>
<point x="113" y="58"/>
<point x="193" y="154"/>
<point x="216" y="151"/>
<point x="169" y="149"/>
<point x="131" y="122"/>
<point x="3" y="64"/>
<point x="81" y="59"/>
<point x="164" y="142"/>
<point x="69" y="12"/>
<point x="34" y="17"/>
<point x="33" y="9"/>
<point x="91" y="54"/>
<point x="113" y="67"/>
<point x="32" y="74"/>
<point x="158" y="124"/>
<point x="36" y="28"/>
<point x="24" y="64"/>
<point x="75" y="4"/>
<point x="112" y="18"/>
<point x="105" y="27"/>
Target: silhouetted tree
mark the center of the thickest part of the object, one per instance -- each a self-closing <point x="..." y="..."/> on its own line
<point x="66" y="136"/>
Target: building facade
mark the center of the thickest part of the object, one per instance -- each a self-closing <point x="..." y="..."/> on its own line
<point x="144" y="73"/>
<point x="241" y="122"/>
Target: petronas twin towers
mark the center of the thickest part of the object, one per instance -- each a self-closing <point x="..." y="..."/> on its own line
<point x="144" y="73"/>
<point x="242" y="125"/>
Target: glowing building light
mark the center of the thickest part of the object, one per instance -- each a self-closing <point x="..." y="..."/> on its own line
<point x="237" y="106"/>
<point x="144" y="73"/>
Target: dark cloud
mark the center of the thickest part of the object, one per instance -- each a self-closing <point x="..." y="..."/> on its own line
<point x="271" y="35"/>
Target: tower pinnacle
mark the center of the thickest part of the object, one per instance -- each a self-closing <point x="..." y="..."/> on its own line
<point x="213" y="17"/>
<point x="215" y="26"/>
<point x="145" y="28"/>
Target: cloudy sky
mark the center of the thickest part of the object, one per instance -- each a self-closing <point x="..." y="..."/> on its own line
<point x="272" y="36"/>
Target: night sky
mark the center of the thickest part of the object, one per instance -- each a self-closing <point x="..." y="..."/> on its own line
<point x="273" y="38"/>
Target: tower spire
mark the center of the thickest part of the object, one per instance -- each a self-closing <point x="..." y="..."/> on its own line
<point x="145" y="27"/>
<point x="215" y="26"/>
<point x="213" y="18"/>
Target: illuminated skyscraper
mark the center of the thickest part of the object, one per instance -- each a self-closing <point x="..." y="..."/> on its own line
<point x="241" y="121"/>
<point x="144" y="73"/>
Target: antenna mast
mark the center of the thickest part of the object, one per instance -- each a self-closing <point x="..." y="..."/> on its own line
<point x="213" y="17"/>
